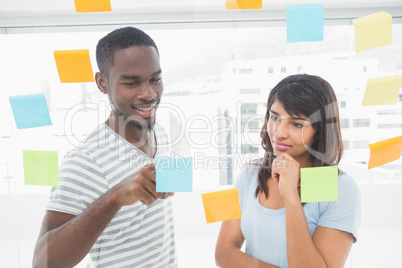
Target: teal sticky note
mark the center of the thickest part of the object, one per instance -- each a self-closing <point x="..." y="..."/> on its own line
<point x="41" y="168"/>
<point x="305" y="22"/>
<point x="319" y="184"/>
<point x="30" y="111"/>
<point x="174" y="174"/>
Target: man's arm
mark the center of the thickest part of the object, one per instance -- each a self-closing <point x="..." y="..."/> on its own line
<point x="65" y="239"/>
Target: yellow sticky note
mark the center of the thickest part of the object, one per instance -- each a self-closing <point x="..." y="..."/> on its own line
<point x="92" y="6"/>
<point x="74" y="66"/>
<point x="385" y="151"/>
<point x="382" y="90"/>
<point x="243" y="4"/>
<point x="221" y="205"/>
<point x="373" y="31"/>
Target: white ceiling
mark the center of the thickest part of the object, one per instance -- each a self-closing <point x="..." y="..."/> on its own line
<point x="28" y="13"/>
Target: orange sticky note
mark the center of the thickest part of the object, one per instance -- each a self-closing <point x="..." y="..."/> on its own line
<point x="243" y="4"/>
<point x="74" y="66"/>
<point x="222" y="205"/>
<point x="92" y="6"/>
<point x="385" y="151"/>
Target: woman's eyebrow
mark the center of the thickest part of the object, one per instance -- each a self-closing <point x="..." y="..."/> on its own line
<point x="284" y="116"/>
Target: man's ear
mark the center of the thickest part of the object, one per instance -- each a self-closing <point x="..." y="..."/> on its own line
<point x="101" y="82"/>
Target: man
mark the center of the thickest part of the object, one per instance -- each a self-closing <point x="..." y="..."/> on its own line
<point x="106" y="202"/>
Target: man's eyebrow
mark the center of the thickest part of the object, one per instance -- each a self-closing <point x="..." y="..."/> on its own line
<point x="293" y="118"/>
<point x="134" y="77"/>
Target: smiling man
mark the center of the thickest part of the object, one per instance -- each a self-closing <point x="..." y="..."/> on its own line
<point x="105" y="204"/>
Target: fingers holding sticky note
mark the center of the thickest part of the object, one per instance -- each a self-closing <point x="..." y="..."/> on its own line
<point x="174" y="174"/>
<point x="319" y="184"/>
<point x="373" y="31"/>
<point x="74" y="66"/>
<point x="221" y="205"/>
<point x="385" y="151"/>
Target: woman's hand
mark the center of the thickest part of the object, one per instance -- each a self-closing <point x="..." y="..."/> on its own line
<point x="286" y="172"/>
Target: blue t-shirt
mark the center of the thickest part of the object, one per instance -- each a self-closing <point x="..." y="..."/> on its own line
<point x="264" y="229"/>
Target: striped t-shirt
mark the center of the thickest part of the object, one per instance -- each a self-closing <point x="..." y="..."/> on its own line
<point x="138" y="235"/>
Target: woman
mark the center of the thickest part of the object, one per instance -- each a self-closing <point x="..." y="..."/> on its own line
<point x="301" y="129"/>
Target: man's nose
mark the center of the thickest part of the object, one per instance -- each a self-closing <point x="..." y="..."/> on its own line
<point x="146" y="92"/>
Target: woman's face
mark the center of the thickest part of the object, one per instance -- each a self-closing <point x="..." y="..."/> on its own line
<point x="290" y="134"/>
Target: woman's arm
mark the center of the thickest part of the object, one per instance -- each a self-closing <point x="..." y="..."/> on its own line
<point x="328" y="247"/>
<point x="228" y="253"/>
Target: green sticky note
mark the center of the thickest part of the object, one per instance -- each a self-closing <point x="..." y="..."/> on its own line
<point x="319" y="184"/>
<point x="41" y="168"/>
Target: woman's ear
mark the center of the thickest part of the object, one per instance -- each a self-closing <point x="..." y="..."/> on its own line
<point x="101" y="82"/>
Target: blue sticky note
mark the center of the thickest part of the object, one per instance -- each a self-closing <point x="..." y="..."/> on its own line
<point x="305" y="22"/>
<point x="30" y="111"/>
<point x="174" y="174"/>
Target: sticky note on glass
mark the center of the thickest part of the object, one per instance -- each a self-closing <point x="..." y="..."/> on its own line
<point x="243" y="4"/>
<point x="174" y="174"/>
<point x="373" y="31"/>
<point x="92" y="6"/>
<point x="305" y="22"/>
<point x="319" y="184"/>
<point x="385" y="151"/>
<point x="222" y="205"/>
<point x="41" y="168"/>
<point x="30" y="111"/>
<point x="382" y="90"/>
<point x="74" y="66"/>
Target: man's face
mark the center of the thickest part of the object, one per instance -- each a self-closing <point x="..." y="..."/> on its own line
<point x="135" y="85"/>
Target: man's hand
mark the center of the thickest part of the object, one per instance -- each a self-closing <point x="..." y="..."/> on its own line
<point x="140" y="186"/>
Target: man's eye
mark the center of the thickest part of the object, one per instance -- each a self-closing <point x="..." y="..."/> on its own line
<point x="131" y="83"/>
<point x="156" y="80"/>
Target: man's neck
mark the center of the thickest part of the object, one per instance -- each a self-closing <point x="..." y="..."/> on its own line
<point x="142" y="138"/>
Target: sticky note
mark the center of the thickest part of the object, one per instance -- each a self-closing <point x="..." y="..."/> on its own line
<point x="92" y="6"/>
<point x="305" y="22"/>
<point x="385" y="151"/>
<point x="30" y="111"/>
<point x="319" y="184"/>
<point x="174" y="174"/>
<point x="74" y="66"/>
<point x="373" y="31"/>
<point x="41" y="168"/>
<point x="382" y="90"/>
<point x="221" y="205"/>
<point x="243" y="4"/>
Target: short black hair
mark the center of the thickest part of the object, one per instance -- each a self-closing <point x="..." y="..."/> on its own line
<point x="119" y="39"/>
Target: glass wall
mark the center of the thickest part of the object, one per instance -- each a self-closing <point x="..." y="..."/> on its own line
<point x="217" y="80"/>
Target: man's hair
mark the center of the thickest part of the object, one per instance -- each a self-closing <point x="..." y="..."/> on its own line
<point x="116" y="40"/>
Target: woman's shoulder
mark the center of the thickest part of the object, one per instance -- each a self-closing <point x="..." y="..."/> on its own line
<point x="346" y="184"/>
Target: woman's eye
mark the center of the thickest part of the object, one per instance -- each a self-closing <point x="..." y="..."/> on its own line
<point x="273" y="118"/>
<point x="298" y="125"/>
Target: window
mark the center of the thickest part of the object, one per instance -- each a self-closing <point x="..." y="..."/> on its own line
<point x="246" y="71"/>
<point x="343" y="104"/>
<point x="364" y="69"/>
<point x="283" y="70"/>
<point x="361" y="122"/>
<point x="344" y="123"/>
<point x="270" y="70"/>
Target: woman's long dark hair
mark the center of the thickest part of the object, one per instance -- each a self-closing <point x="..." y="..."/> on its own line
<point x="311" y="96"/>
